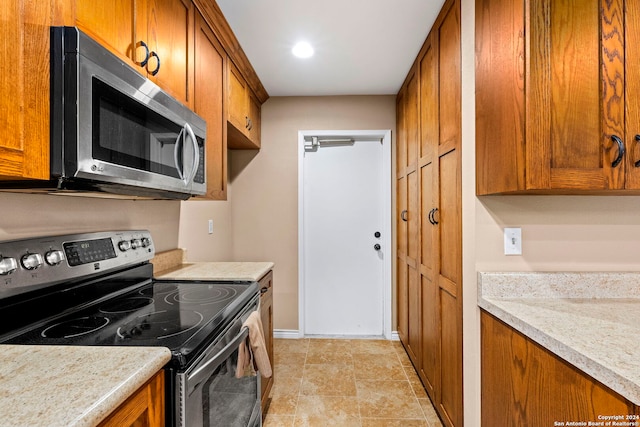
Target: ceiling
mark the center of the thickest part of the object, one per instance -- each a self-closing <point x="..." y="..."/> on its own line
<point x="362" y="47"/>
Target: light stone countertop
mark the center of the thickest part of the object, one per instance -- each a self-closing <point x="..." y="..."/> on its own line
<point x="71" y="386"/>
<point x="217" y="271"/>
<point x="591" y="320"/>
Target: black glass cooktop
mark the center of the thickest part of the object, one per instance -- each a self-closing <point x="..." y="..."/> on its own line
<point x="179" y="315"/>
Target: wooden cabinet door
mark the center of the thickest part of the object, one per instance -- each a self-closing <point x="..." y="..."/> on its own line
<point x="429" y="134"/>
<point x="412" y="131"/>
<point x="401" y="221"/>
<point x="448" y="214"/>
<point x="209" y="70"/>
<point x="237" y="99"/>
<point x="170" y="29"/>
<point x="632" y="89"/>
<point x="408" y="218"/>
<point x="119" y="25"/>
<point x="523" y="384"/>
<point x="550" y="97"/>
<point x="575" y="103"/>
<point x="266" y="317"/>
<point x="255" y="119"/>
<point x="165" y="26"/>
<point x="144" y="408"/>
<point x="24" y="89"/>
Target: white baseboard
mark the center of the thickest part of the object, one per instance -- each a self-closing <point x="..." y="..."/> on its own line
<point x="286" y="333"/>
<point x="295" y="334"/>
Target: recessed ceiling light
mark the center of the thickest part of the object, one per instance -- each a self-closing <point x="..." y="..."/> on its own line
<point x="302" y="50"/>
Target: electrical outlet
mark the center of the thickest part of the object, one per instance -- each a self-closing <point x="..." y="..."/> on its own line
<point x="513" y="241"/>
<point x="210" y="226"/>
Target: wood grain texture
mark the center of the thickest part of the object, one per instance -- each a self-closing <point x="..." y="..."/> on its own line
<point x="500" y="101"/>
<point x="524" y="384"/>
<point x="209" y="88"/>
<point x="24" y="78"/>
<point x="632" y="89"/>
<point x="144" y="408"/>
<point x="569" y="59"/>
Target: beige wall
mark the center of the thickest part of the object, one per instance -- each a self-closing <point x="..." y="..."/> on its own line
<point x="262" y="211"/>
<point x="28" y="215"/>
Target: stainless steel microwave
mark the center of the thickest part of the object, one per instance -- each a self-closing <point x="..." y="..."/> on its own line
<point x="115" y="131"/>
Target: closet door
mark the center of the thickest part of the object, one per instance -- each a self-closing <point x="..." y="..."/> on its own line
<point x="448" y="217"/>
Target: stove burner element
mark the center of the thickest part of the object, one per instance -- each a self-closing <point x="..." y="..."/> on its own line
<point x="75" y="327"/>
<point x="125" y="305"/>
<point x="202" y="296"/>
<point x="160" y="325"/>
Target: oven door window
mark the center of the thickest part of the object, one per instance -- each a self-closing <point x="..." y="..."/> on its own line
<point x="128" y="133"/>
<point x="229" y="401"/>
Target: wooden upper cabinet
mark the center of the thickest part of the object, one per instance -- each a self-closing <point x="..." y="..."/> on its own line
<point x="243" y="112"/>
<point x="24" y="89"/>
<point x="153" y="36"/>
<point x="210" y="62"/>
<point x="551" y="97"/>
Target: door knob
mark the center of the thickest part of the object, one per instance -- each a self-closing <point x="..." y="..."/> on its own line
<point x="376" y="247"/>
<point x="376" y="234"/>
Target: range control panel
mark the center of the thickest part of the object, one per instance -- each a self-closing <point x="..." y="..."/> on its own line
<point x="38" y="262"/>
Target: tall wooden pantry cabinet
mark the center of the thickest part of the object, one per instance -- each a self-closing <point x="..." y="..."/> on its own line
<point x="429" y="227"/>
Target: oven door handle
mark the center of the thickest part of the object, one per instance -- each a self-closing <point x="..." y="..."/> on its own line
<point x="202" y="373"/>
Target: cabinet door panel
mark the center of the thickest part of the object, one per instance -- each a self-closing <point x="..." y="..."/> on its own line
<point x="118" y="25"/>
<point x="237" y="98"/>
<point x="170" y="34"/>
<point x="450" y="394"/>
<point x="429" y="370"/>
<point x="575" y="95"/>
<point x="403" y="299"/>
<point x="412" y="120"/>
<point x="401" y="137"/>
<point x="209" y="101"/>
<point x="24" y="77"/>
<point x="632" y="88"/>
<point x="449" y="219"/>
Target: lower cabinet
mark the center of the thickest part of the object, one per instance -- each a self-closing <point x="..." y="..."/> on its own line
<point x="524" y="384"/>
<point x="144" y="408"/>
<point x="266" y="316"/>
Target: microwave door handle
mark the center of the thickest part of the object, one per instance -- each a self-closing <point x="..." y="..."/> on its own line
<point x="196" y="153"/>
<point x="202" y="373"/>
<point x="179" y="141"/>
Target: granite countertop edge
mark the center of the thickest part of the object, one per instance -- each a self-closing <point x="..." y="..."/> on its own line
<point x="505" y="306"/>
<point x="222" y="271"/>
<point x="71" y="386"/>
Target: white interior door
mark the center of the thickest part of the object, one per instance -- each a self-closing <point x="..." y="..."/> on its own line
<point x="343" y="209"/>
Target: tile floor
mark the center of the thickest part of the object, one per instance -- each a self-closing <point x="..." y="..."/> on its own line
<point x="346" y="382"/>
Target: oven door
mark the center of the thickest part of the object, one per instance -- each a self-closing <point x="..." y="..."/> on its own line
<point x="209" y="394"/>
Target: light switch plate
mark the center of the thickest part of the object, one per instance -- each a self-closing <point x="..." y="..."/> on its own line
<point x="210" y="226"/>
<point x="513" y="241"/>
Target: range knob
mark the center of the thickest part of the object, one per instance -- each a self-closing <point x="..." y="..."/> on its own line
<point x="124" y="245"/>
<point x="54" y="257"/>
<point x="31" y="261"/>
<point x="7" y="266"/>
<point x="145" y="242"/>
<point x="135" y="243"/>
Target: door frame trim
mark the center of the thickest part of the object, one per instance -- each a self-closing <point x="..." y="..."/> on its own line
<point x="385" y="137"/>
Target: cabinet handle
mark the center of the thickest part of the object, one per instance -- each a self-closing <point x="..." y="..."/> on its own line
<point x="143" y="63"/>
<point x="154" y="72"/>
<point x="433" y="219"/>
<point x="403" y="215"/>
<point x="250" y="124"/>
<point x="637" y="162"/>
<point x="430" y="217"/>
<point x="264" y="290"/>
<point x="621" y="150"/>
